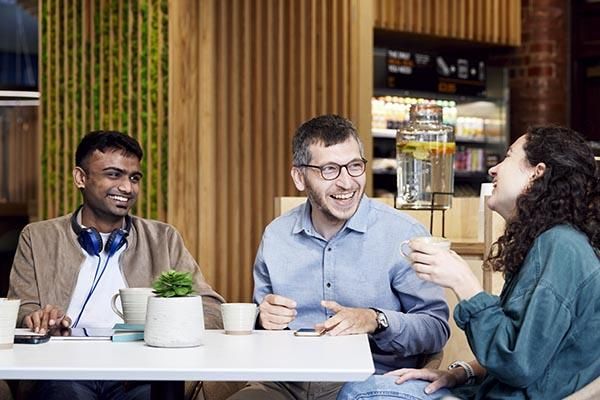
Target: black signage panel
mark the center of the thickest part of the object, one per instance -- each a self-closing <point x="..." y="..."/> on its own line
<point x="435" y="73"/>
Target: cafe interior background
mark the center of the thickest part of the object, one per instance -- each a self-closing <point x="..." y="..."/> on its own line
<point x="214" y="89"/>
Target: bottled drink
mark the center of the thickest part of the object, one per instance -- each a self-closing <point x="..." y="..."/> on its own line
<point x="425" y="157"/>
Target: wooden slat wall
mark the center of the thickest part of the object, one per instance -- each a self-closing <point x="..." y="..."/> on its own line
<point x="103" y="66"/>
<point x="243" y="75"/>
<point x="490" y="21"/>
<point x="18" y="128"/>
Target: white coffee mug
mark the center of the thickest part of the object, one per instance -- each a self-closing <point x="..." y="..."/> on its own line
<point x="436" y="241"/>
<point x="9" y="309"/>
<point x="134" y="302"/>
<point x="239" y="318"/>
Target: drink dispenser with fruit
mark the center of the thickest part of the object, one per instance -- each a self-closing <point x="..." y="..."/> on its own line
<point x="425" y="160"/>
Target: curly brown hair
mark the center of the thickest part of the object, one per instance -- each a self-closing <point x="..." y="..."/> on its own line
<point x="567" y="193"/>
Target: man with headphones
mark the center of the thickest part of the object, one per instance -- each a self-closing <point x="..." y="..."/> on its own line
<point x="66" y="269"/>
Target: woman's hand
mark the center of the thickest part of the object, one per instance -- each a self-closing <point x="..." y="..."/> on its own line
<point x="438" y="378"/>
<point x="445" y="268"/>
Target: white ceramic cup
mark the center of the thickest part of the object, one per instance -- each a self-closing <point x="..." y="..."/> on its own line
<point x="436" y="241"/>
<point x="9" y="309"/>
<point x="239" y="318"/>
<point x="134" y="302"/>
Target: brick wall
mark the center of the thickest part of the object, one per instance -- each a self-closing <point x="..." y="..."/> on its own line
<point x="538" y="69"/>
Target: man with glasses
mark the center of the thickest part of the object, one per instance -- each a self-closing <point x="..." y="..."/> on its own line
<point x="333" y="264"/>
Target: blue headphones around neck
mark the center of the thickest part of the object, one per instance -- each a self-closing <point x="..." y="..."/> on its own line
<point x="91" y="241"/>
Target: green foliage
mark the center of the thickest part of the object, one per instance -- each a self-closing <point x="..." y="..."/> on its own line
<point x="173" y="284"/>
<point x="104" y="65"/>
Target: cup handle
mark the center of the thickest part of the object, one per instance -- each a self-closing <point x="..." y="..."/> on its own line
<point x="113" y="304"/>
<point x="404" y="243"/>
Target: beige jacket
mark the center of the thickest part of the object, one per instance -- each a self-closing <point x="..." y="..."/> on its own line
<point x="48" y="258"/>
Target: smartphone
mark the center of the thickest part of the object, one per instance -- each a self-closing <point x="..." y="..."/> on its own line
<point x="31" y="339"/>
<point x="307" y="332"/>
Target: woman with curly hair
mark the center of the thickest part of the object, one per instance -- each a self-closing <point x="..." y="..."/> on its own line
<point x="538" y="338"/>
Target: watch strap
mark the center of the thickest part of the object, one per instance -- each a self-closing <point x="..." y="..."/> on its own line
<point x="379" y="315"/>
<point x="468" y="369"/>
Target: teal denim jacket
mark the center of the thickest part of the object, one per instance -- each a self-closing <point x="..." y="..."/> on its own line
<point x="539" y="339"/>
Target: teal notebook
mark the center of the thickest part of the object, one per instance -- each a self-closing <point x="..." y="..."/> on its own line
<point x="127" y="336"/>
<point x="127" y="332"/>
<point x="128" y="327"/>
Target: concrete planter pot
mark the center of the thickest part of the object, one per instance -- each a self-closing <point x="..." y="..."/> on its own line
<point x="174" y="322"/>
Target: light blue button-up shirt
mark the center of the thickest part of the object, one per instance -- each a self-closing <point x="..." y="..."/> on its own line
<point x="360" y="266"/>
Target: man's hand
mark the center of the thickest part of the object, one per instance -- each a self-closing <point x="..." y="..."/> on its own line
<point x="47" y="318"/>
<point x="276" y="312"/>
<point x="348" y="321"/>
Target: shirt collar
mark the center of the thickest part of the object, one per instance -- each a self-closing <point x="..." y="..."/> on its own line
<point x="358" y="222"/>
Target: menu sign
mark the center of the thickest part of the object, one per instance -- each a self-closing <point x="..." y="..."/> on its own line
<point x="435" y="73"/>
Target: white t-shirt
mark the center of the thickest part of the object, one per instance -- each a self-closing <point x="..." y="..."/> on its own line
<point x="98" y="312"/>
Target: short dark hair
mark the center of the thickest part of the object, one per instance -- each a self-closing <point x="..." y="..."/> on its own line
<point x="326" y="129"/>
<point x="102" y="140"/>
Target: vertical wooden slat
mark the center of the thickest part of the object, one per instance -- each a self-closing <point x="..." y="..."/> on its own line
<point x="119" y="70"/>
<point x="259" y="117"/>
<point x="235" y="19"/>
<point x="496" y="16"/>
<point x="148" y="126"/>
<point x="139" y="95"/>
<point x="66" y="110"/>
<point x="246" y="170"/>
<point x="462" y="14"/>
<point x="92" y="109"/>
<point x="362" y="55"/>
<point x="160" y="117"/>
<point x="101" y="39"/>
<point x="345" y="60"/>
<point x="185" y="97"/>
<point x="399" y="12"/>
<point x="209" y="137"/>
<point x="312" y="54"/>
<point x="110" y="64"/>
<point x="222" y="155"/>
<point x="57" y="117"/>
<point x="76" y="117"/>
<point x="131" y="61"/>
<point x="488" y="27"/>
<point x="428" y="6"/>
<point x="470" y="15"/>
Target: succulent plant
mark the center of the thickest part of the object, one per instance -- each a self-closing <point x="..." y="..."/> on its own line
<point x="173" y="284"/>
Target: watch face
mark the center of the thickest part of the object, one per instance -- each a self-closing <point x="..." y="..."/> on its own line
<point x="382" y="320"/>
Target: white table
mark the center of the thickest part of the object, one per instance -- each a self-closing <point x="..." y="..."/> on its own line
<point x="262" y="356"/>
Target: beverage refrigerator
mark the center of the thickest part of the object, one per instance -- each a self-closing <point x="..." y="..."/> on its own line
<point x="474" y="100"/>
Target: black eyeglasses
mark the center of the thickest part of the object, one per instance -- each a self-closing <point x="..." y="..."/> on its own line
<point x="331" y="171"/>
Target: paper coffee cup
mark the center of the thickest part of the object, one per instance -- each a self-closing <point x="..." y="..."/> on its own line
<point x="9" y="309"/>
<point x="239" y="318"/>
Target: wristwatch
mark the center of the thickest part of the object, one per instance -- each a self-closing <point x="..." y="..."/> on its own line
<point x="468" y="369"/>
<point x="382" y="321"/>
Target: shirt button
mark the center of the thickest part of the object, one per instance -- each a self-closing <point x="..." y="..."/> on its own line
<point x="328" y="284"/>
<point x="329" y="249"/>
